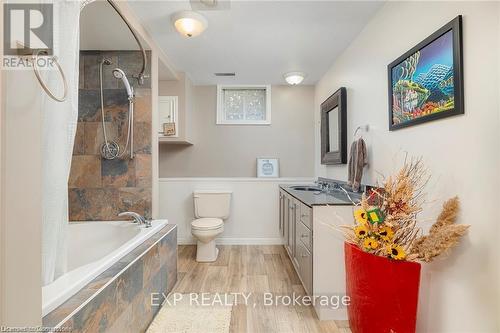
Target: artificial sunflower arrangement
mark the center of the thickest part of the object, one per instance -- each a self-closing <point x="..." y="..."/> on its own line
<point x="386" y="219"/>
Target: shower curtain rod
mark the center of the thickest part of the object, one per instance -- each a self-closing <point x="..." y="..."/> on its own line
<point x="140" y="77"/>
<point x="36" y="53"/>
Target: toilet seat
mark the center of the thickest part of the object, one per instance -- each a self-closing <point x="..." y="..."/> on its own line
<point x="207" y="223"/>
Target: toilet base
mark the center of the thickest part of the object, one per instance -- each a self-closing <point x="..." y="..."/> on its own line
<point x="206" y="252"/>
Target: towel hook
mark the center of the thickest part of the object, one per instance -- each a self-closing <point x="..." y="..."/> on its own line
<point x="42" y="83"/>
<point x="364" y="128"/>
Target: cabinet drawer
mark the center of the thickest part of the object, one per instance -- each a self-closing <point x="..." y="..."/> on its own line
<point x="304" y="235"/>
<point x="304" y="260"/>
<point x="306" y="215"/>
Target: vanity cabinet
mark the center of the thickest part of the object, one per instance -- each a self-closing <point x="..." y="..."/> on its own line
<point x="307" y="226"/>
<point x="295" y="225"/>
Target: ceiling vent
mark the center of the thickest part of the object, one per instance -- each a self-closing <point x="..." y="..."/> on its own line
<point x="225" y="74"/>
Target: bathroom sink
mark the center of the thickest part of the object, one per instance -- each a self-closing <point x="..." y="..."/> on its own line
<point x="306" y="188"/>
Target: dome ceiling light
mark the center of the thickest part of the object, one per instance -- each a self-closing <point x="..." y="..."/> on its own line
<point x="189" y="23"/>
<point x="209" y="3"/>
<point x="294" y="78"/>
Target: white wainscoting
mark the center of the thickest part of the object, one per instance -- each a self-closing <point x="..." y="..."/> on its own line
<point x="254" y="207"/>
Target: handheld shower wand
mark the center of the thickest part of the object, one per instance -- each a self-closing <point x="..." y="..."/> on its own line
<point x="110" y="149"/>
<point x="120" y="75"/>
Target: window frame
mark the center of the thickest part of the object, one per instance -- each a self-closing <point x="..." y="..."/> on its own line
<point x="220" y="105"/>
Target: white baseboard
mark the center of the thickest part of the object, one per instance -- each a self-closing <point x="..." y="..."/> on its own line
<point x="235" y="241"/>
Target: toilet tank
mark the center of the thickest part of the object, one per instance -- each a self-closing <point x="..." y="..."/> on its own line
<point x="212" y="204"/>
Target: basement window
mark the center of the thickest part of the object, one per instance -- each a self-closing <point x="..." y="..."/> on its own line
<point x="244" y="105"/>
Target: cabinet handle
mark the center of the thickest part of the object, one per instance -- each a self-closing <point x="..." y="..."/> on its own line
<point x="303" y="215"/>
<point x="304" y="236"/>
<point x="304" y="255"/>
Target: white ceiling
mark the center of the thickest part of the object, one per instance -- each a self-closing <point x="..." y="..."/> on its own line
<point x="101" y="28"/>
<point x="258" y="40"/>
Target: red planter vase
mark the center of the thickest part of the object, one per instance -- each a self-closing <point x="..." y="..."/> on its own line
<point x="383" y="293"/>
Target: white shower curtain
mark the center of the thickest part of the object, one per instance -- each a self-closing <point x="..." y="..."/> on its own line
<point x="59" y="127"/>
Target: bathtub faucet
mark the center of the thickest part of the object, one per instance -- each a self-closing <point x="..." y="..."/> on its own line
<point x="138" y="218"/>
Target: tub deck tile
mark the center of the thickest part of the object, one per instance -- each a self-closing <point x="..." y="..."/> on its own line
<point x="151" y="264"/>
<point x="119" y="291"/>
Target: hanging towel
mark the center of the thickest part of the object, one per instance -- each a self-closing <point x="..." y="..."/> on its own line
<point x="357" y="162"/>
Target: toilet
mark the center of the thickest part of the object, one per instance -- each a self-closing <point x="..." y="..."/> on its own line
<point x="211" y="208"/>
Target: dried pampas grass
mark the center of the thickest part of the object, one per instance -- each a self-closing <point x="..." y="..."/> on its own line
<point x="448" y="215"/>
<point x="443" y="235"/>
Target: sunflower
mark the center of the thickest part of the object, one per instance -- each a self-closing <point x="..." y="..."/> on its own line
<point x="395" y="251"/>
<point x="361" y="231"/>
<point x="370" y="243"/>
<point x="385" y="233"/>
<point x="360" y="215"/>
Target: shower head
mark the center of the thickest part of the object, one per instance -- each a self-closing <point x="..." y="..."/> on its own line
<point x="120" y="75"/>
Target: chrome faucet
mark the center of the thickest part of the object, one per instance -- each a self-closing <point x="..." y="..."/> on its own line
<point x="138" y="218"/>
<point x="320" y="185"/>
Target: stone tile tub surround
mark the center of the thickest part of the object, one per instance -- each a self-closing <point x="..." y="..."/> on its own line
<point x="119" y="300"/>
<point x="99" y="189"/>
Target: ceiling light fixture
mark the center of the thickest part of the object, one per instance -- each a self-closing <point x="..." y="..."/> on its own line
<point x="189" y="23"/>
<point x="294" y="78"/>
<point x="209" y="3"/>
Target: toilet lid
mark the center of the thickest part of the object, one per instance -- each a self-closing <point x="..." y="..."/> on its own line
<point x="207" y="223"/>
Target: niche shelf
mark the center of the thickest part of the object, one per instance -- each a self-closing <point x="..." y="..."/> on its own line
<point x="173" y="140"/>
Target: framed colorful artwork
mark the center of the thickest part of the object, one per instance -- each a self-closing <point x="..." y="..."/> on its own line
<point x="426" y="83"/>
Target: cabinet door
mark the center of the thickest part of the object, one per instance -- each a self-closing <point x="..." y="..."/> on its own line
<point x="291" y="225"/>
<point x="306" y="215"/>
<point x="304" y="235"/>
<point x="168" y="109"/>
<point x="281" y="215"/>
<point x="286" y="218"/>
<point x="304" y="264"/>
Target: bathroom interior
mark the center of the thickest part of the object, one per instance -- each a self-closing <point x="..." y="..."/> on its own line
<point x="220" y="147"/>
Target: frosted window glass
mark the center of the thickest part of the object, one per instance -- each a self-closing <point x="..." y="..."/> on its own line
<point x="244" y="104"/>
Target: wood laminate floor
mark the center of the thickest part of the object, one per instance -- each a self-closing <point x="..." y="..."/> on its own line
<point x="256" y="270"/>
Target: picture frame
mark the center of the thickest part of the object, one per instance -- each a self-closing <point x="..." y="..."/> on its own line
<point x="268" y="167"/>
<point x="169" y="129"/>
<point x="426" y="83"/>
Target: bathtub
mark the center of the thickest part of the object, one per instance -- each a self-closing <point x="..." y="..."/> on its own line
<point x="93" y="247"/>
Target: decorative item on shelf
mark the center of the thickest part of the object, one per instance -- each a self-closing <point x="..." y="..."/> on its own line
<point x="267" y="167"/>
<point x="383" y="246"/>
<point x="426" y="83"/>
<point x="169" y="129"/>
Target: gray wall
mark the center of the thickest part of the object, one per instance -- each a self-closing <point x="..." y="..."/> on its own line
<point x="231" y="150"/>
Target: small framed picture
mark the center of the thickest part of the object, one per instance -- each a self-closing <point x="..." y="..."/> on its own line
<point x="268" y="168"/>
<point x="169" y="129"/>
